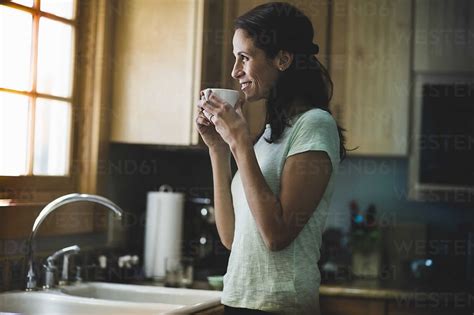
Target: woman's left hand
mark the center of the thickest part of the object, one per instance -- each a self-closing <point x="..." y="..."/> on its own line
<point x="229" y="121"/>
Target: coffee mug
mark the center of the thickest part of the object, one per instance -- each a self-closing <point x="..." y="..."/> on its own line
<point x="229" y="96"/>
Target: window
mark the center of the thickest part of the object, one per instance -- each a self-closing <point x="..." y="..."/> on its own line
<point x="37" y="44"/>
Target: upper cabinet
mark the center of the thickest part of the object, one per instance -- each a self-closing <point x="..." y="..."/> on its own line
<point x="444" y="36"/>
<point x="157" y="71"/>
<point x="167" y="50"/>
<point x="370" y="66"/>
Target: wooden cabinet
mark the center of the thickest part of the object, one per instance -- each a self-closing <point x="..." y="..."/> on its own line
<point x="157" y="71"/>
<point x="429" y="304"/>
<point x="370" y="66"/>
<point x="166" y="51"/>
<point x="366" y="45"/>
<point x="443" y="36"/>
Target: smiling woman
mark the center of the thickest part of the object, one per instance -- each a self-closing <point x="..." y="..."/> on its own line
<point x="272" y="212"/>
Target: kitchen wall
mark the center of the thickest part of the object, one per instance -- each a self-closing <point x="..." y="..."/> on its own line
<point x="136" y="169"/>
<point x="383" y="182"/>
<point x="133" y="170"/>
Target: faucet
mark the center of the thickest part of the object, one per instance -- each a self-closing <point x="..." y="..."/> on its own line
<point x="50" y="207"/>
<point x="50" y="266"/>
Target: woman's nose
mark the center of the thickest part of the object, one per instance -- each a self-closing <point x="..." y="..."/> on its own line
<point x="237" y="71"/>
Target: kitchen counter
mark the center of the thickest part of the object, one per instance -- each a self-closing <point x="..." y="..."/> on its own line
<point x="363" y="289"/>
<point x="372" y="289"/>
<point x="378" y="289"/>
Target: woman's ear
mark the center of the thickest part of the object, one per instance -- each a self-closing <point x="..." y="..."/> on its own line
<point x="283" y="60"/>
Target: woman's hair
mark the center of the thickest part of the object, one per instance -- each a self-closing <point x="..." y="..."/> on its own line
<point x="280" y="26"/>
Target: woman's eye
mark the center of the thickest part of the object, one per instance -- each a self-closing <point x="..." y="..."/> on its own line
<point x="244" y="58"/>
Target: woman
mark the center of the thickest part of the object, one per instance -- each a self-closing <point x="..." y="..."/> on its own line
<point x="272" y="213"/>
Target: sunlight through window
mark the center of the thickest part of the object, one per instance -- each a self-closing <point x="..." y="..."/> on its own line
<point x="15" y="49"/>
<point x="36" y="80"/>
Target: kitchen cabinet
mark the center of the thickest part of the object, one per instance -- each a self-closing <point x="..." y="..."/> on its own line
<point x="433" y="304"/>
<point x="156" y="71"/>
<point x="443" y="36"/>
<point x="351" y="306"/>
<point x="370" y="57"/>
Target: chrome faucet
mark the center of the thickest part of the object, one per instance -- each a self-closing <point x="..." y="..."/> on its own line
<point x="50" y="207"/>
<point x="50" y="266"/>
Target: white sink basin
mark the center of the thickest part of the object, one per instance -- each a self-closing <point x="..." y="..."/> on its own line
<point x="104" y="298"/>
<point x="55" y="303"/>
<point x="187" y="300"/>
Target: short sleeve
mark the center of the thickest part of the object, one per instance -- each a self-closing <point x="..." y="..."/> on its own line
<point x="315" y="130"/>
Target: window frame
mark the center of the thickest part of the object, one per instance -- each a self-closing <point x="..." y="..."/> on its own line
<point x="41" y="189"/>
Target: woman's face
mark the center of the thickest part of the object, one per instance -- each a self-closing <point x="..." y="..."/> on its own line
<point x="254" y="71"/>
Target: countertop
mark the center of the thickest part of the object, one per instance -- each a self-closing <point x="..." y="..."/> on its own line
<point x="373" y="289"/>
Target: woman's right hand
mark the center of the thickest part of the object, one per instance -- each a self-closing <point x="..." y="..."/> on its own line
<point x="208" y="132"/>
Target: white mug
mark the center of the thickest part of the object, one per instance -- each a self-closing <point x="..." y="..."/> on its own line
<point x="230" y="96"/>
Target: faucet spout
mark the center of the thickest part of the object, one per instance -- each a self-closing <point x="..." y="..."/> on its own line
<point x="50" y="207"/>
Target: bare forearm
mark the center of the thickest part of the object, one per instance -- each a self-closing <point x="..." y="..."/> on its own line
<point x="222" y="176"/>
<point x="265" y="206"/>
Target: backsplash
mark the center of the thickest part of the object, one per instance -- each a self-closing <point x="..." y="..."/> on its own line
<point x="383" y="182"/>
<point x="136" y="169"/>
<point x="133" y="170"/>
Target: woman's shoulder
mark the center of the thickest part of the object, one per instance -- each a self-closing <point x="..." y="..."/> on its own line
<point x="313" y="116"/>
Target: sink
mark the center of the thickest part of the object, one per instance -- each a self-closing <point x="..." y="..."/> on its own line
<point x="145" y="294"/>
<point x="55" y="303"/>
<point x="96" y="298"/>
<point x="184" y="300"/>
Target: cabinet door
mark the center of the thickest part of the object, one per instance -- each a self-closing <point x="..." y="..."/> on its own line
<point x="426" y="304"/>
<point x="370" y="67"/>
<point x="351" y="306"/>
<point x="156" y="71"/>
<point x="443" y="35"/>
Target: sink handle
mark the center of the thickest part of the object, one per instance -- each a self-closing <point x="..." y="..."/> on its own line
<point x="74" y="249"/>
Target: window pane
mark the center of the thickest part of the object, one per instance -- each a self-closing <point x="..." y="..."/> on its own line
<point x="13" y="134"/>
<point x="28" y="3"/>
<point x="15" y="48"/>
<point x="52" y="137"/>
<point x="64" y="8"/>
<point x="55" y="58"/>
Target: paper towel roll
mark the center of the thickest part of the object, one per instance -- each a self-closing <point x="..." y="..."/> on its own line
<point x="163" y="230"/>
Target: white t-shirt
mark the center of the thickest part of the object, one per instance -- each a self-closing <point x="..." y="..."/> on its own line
<point x="285" y="281"/>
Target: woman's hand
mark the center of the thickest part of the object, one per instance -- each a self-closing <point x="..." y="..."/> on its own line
<point x="229" y="122"/>
<point x="207" y="130"/>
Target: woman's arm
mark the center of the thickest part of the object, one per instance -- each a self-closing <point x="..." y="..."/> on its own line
<point x="222" y="176"/>
<point x="304" y="179"/>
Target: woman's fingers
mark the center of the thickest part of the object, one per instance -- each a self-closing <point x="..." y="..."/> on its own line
<point x="201" y="119"/>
